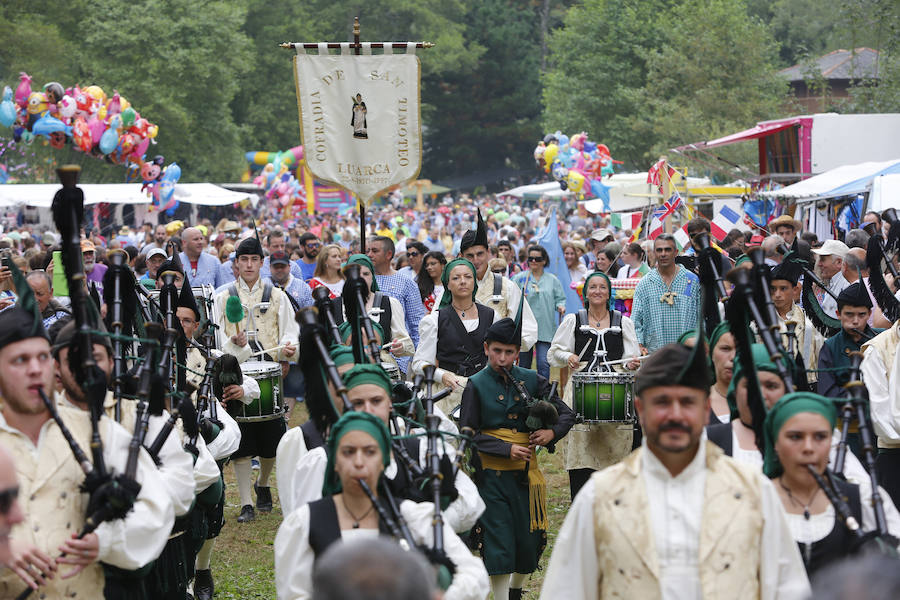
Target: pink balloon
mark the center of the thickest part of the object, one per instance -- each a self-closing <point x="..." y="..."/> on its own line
<point x="97" y="128"/>
<point x="141" y="148"/>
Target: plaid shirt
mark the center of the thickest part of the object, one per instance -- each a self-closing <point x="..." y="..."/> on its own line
<point x="657" y="322"/>
<point x="406" y="291"/>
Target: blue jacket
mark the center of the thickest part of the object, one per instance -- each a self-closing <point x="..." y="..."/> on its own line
<point x="209" y="270"/>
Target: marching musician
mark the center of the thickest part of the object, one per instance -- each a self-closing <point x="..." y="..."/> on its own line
<point x="676" y="519"/>
<point x="798" y="434"/>
<point x="221" y="434"/>
<point x="369" y="391"/>
<point x="276" y="327"/>
<point x="452" y="336"/>
<point x="721" y="352"/>
<point x="591" y="447"/>
<point x="514" y="523"/>
<point x="50" y="479"/>
<point x="783" y="288"/>
<point x="492" y="289"/>
<point x="359" y="448"/>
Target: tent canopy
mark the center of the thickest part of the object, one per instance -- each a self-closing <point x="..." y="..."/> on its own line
<point x="41" y="195"/>
<point x="885" y="192"/>
<point x="759" y="130"/>
<point x="842" y="181"/>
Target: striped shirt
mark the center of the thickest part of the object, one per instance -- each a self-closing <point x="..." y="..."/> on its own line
<point x="658" y="322"/>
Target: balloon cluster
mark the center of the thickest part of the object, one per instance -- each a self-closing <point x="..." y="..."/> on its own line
<point x="578" y="164"/>
<point x="105" y="127"/>
<point x="159" y="183"/>
<point x="278" y="177"/>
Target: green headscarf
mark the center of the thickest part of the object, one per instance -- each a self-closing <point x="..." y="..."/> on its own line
<point x="362" y="259"/>
<point x="340" y="354"/>
<point x="763" y="362"/>
<point x="610" y="303"/>
<point x="374" y="374"/>
<point x="353" y="421"/>
<point x="447" y="298"/>
<point x="788" y="406"/>
<point x="721" y="329"/>
<point x="687" y="335"/>
<point x="344" y="329"/>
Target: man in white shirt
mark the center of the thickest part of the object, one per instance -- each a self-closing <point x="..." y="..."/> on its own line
<point x="829" y="265"/>
<point x="677" y="519"/>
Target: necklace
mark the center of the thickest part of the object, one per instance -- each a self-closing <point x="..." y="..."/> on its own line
<point x="356" y="519"/>
<point x="463" y="312"/>
<point x="797" y="502"/>
<point x="598" y="320"/>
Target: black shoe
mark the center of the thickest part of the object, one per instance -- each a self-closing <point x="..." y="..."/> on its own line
<point x="203" y="585"/>
<point x="263" y="498"/>
<point x="514" y="594"/>
<point x="247" y="514"/>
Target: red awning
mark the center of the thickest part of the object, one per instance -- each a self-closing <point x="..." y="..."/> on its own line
<point x="760" y="130"/>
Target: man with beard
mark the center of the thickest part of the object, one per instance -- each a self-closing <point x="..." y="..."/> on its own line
<point x="49" y="478"/>
<point x="159" y="240"/>
<point x="94" y="270"/>
<point x="310" y="245"/>
<point x="676" y="519"/>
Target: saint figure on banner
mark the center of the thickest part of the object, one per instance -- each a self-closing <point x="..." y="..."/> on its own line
<point x="358" y="120"/>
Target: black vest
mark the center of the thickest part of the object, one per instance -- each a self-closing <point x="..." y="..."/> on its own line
<point x="615" y="345"/>
<point x="459" y="351"/>
<point x="840" y="542"/>
<point x="324" y="528"/>
<point x="720" y="434"/>
<point x="312" y="437"/>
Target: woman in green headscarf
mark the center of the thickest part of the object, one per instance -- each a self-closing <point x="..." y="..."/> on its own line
<point x="359" y="449"/>
<point x="721" y="353"/>
<point x="736" y="437"/>
<point x="797" y="434"/>
<point x="388" y="313"/>
<point x="451" y="337"/>
<point x="593" y="446"/>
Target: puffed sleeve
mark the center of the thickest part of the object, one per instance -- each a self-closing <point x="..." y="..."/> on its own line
<point x="288" y="327"/>
<point x="136" y="540"/>
<point x="308" y="477"/>
<point x="426" y="353"/>
<point x="629" y="337"/>
<point x="291" y="448"/>
<point x="229" y="439"/>
<point x="177" y="468"/>
<point x="398" y="328"/>
<point x="563" y="343"/>
<point x="573" y="571"/>
<point x="470" y="582"/>
<point x="206" y="471"/>
<point x="294" y="558"/>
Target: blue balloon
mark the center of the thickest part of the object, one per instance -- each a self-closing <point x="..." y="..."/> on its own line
<point x="590" y="147"/>
<point x="47" y="125"/>
<point x="173" y="173"/>
<point x="563" y="139"/>
<point x="601" y="191"/>
<point x="109" y="140"/>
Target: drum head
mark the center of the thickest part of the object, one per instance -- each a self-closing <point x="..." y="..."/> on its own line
<point x="253" y="368"/>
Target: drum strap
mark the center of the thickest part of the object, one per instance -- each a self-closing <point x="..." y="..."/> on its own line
<point x="267" y="295"/>
<point x="498" y="288"/>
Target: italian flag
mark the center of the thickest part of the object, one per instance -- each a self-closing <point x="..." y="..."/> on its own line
<point x="630" y="220"/>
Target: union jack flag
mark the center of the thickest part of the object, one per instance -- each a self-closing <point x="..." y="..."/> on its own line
<point x="653" y="175"/>
<point x="661" y="213"/>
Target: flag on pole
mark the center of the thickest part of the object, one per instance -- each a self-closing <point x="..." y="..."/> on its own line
<point x="725" y="220"/>
<point x="682" y="238"/>
<point x="660" y="173"/>
<point x="661" y="213"/>
<point x="629" y="220"/>
<point x="634" y="236"/>
<point x="549" y="239"/>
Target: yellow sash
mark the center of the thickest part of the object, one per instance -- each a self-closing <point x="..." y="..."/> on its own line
<point x="537" y="485"/>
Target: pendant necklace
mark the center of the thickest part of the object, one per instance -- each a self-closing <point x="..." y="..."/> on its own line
<point x="463" y="312"/>
<point x="356" y="519"/>
<point x="806" y="506"/>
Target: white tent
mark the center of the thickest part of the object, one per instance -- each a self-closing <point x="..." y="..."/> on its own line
<point x="841" y="181"/>
<point x="885" y="192"/>
<point x="551" y="189"/>
<point x="41" y="195"/>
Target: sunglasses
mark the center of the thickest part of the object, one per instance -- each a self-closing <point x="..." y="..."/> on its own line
<point x="412" y="254"/>
<point x="7" y="497"/>
<point x="499" y="271"/>
<point x="535" y="258"/>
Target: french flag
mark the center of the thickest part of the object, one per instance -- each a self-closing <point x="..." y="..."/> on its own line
<point x="724" y="221"/>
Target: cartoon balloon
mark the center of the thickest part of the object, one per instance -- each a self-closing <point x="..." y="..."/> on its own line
<point x="54" y="92"/>
<point x="550" y="153"/>
<point x="66" y="106"/>
<point x="575" y="181"/>
<point x="97" y="128"/>
<point x="24" y="89"/>
<point x="128" y="116"/>
<point x="109" y="140"/>
<point x="47" y="125"/>
<point x="37" y="103"/>
<point x="7" y="108"/>
<point x="81" y="133"/>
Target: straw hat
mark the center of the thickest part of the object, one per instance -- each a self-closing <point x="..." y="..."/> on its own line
<point x="785" y="220"/>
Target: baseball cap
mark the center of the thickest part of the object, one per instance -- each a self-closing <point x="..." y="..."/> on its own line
<point x="601" y="234"/>
<point x="279" y="258"/>
<point x="48" y="239"/>
<point x="835" y="247"/>
<point x="88" y="246"/>
<point x="156" y="252"/>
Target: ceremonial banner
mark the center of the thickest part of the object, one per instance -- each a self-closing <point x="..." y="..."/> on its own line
<point x="359" y="119"/>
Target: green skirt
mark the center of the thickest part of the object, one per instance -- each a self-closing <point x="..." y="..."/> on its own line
<point x="508" y="544"/>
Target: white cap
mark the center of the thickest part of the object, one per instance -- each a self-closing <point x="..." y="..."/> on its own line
<point x="835" y="247"/>
<point x="154" y="252"/>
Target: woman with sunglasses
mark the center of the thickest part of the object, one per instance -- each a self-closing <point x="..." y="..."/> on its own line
<point x="359" y="449"/>
<point x="546" y="298"/>
<point x="429" y="282"/>
<point x="591" y="447"/>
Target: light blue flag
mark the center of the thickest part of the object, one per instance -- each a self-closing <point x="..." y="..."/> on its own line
<point x="549" y="239"/>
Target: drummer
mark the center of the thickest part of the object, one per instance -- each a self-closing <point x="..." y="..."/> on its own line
<point x="275" y="328"/>
<point x="384" y="310"/>
<point x="452" y="337"/>
<point x="590" y="447"/>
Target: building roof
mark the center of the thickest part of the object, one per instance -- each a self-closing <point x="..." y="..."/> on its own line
<point x="860" y="63"/>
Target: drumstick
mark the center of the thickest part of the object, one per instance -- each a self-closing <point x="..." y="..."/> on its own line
<point x="267" y="350"/>
<point x="625" y="360"/>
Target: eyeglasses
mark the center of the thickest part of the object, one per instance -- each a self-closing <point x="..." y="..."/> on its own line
<point x="535" y="258"/>
<point x="312" y="246"/>
<point x="413" y="254"/>
<point x="7" y="497"/>
<point x="499" y="271"/>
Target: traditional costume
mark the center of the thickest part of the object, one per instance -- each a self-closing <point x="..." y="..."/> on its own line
<point x="514" y="524"/>
<point x="808" y="341"/>
<point x="716" y="530"/>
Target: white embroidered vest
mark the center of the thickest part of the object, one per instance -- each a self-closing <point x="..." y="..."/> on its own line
<point x="266" y="324"/>
<point x="485" y="295"/>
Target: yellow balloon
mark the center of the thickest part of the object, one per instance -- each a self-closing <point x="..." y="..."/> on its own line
<point x="152" y="130"/>
<point x="549" y="156"/>
<point x="96" y="92"/>
<point x="123" y="103"/>
<point x="575" y="181"/>
<point x="101" y="114"/>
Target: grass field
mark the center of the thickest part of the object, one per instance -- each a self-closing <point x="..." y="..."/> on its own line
<point x="243" y="563"/>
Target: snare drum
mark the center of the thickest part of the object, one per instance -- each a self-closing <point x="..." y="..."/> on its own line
<point x="393" y="372"/>
<point x="603" y="397"/>
<point x="270" y="404"/>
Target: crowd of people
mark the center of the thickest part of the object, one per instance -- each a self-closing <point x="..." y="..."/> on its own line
<point x="694" y="430"/>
